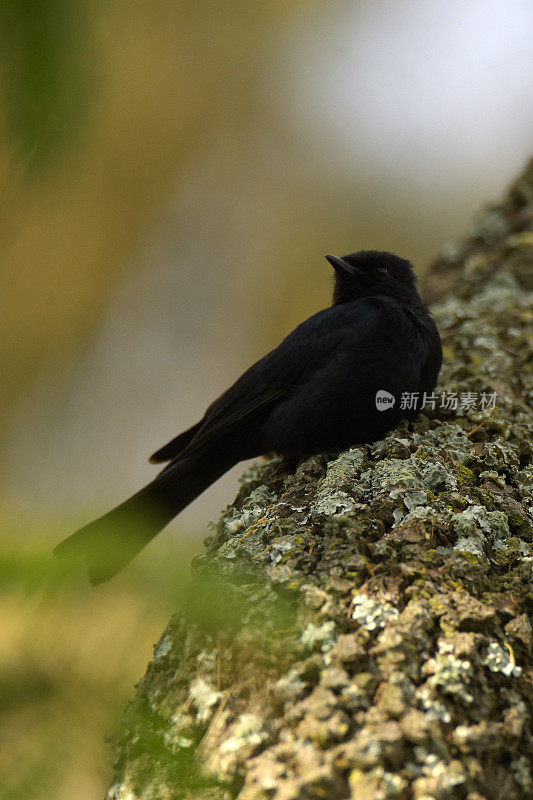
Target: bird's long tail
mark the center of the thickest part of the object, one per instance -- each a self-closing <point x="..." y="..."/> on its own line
<point x="112" y="541"/>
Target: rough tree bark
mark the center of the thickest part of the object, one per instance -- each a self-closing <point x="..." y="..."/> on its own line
<point x="360" y="624"/>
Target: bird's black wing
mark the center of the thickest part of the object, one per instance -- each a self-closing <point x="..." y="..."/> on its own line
<point x="275" y="377"/>
<point x="209" y="428"/>
<point x="175" y="446"/>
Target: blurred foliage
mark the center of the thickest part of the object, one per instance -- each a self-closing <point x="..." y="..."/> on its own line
<point x="70" y="656"/>
<point x="44" y="72"/>
<point x="168" y="76"/>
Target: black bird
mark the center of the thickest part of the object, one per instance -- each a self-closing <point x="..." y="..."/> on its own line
<point x="327" y="386"/>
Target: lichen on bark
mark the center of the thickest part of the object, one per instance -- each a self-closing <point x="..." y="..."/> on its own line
<point x="359" y="625"/>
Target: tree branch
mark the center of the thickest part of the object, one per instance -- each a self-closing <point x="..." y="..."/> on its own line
<point x="360" y="626"/>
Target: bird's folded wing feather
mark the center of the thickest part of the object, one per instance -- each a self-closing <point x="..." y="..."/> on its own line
<point x="250" y="397"/>
<point x="225" y="413"/>
<point x="276" y="376"/>
<point x="280" y="373"/>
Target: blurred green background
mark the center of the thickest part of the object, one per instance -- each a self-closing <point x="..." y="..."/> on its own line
<point x="171" y="175"/>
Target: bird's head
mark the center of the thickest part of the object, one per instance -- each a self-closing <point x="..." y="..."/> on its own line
<point x="371" y="272"/>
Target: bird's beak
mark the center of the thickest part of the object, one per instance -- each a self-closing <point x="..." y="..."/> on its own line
<point x="342" y="267"/>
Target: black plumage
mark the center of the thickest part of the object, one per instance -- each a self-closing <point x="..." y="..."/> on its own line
<point x="316" y="392"/>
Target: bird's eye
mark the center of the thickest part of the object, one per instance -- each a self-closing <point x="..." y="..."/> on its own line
<point x="383" y="272"/>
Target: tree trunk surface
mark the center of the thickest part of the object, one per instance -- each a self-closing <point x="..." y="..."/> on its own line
<point x="359" y="626"/>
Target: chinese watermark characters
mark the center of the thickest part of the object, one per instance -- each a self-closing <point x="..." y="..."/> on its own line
<point x="451" y="401"/>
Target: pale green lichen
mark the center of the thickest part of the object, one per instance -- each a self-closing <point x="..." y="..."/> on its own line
<point x="252" y="509"/>
<point x="163" y="647"/>
<point x="247" y="731"/>
<point x="320" y="637"/>
<point x="478" y="529"/>
<point x="498" y="293"/>
<point x="392" y="474"/>
<point x="204" y="698"/>
<point x="521" y="767"/>
<point x="500" y="659"/>
<point x="372" y="614"/>
<point x="332" y="503"/>
<point x="342" y="474"/>
<point x="449" y="674"/>
<point x="435" y="709"/>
